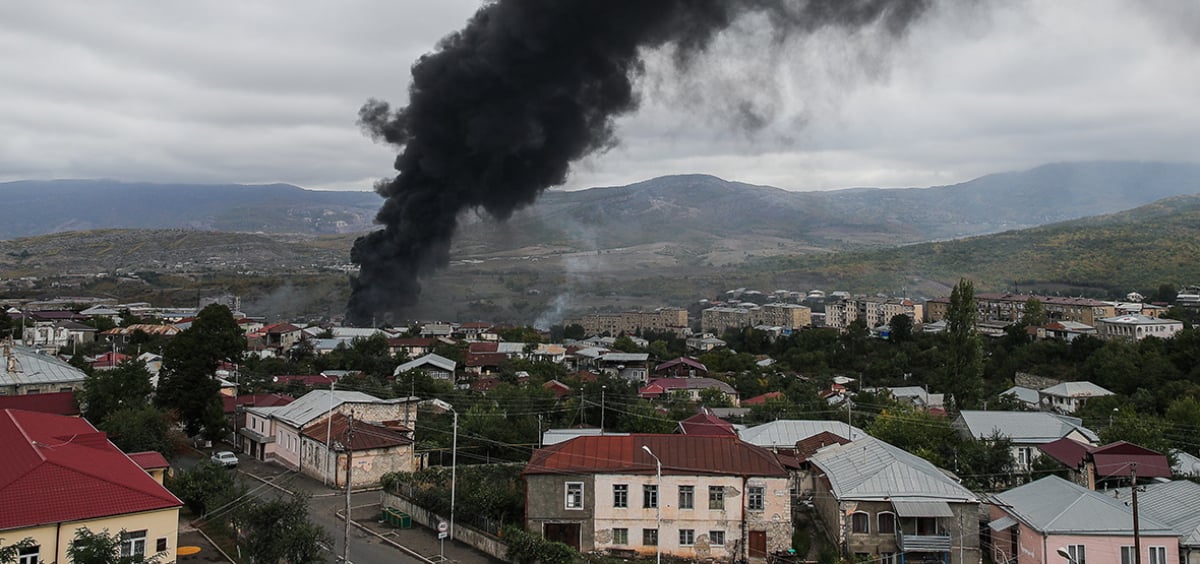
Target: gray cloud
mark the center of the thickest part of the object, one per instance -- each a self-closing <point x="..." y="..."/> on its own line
<point x="268" y="91"/>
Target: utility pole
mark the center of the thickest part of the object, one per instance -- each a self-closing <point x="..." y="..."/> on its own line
<point x="602" y="390"/>
<point x="329" y="434"/>
<point x="349" y="469"/>
<point x="453" y="471"/>
<point x="1137" y="536"/>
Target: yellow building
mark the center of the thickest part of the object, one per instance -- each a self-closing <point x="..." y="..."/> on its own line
<point x="60" y="475"/>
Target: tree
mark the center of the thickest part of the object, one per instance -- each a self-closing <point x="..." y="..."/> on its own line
<point x="962" y="369"/>
<point x="9" y="553"/>
<point x="574" y="331"/>
<point x="902" y="328"/>
<point x="279" y="530"/>
<point x="1035" y="313"/>
<point x="102" y="548"/>
<point x="625" y="344"/>
<point x="187" y="383"/>
<point x="714" y="397"/>
<point x="140" y="429"/>
<point x="205" y="487"/>
<point x="931" y="438"/>
<point x="105" y="391"/>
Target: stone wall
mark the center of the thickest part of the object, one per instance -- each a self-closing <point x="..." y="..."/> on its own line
<point x="482" y="541"/>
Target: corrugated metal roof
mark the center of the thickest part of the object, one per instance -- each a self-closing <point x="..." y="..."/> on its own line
<point x="1002" y="523"/>
<point x="1053" y="505"/>
<point x="1174" y="503"/>
<point x="680" y="455"/>
<point x="786" y="433"/>
<point x="1076" y="390"/>
<point x="436" y="360"/>
<point x="1023" y="427"/>
<point x="312" y="405"/>
<point x="869" y="468"/>
<point x="37" y="369"/>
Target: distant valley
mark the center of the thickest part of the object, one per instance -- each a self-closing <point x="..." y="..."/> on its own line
<point x="669" y="240"/>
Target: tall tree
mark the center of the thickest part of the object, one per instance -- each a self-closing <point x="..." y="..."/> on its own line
<point x="1034" y="314"/>
<point x="102" y="548"/>
<point x="902" y="328"/>
<point x="188" y="383"/>
<point x="962" y="371"/>
<point x="105" y="391"/>
<point x="279" y="531"/>
<point x="140" y="429"/>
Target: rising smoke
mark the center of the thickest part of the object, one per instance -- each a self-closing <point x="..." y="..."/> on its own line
<point x="503" y="107"/>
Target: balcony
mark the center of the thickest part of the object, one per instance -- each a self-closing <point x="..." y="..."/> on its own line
<point x="923" y="543"/>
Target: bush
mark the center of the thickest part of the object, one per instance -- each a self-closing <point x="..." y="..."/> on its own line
<point x="529" y="548"/>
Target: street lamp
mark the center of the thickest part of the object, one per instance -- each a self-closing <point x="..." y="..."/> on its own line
<point x="1062" y="551"/>
<point x="657" y="506"/>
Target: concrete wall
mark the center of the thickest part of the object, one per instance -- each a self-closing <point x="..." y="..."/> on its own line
<point x="482" y="541"/>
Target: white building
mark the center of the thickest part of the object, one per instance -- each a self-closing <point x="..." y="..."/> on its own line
<point x="1137" y="327"/>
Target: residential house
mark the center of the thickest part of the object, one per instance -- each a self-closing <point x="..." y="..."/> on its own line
<point x="102" y="311"/>
<point x="24" y="371"/>
<point x="917" y="397"/>
<point x="1031" y="523"/>
<point x="371" y="449"/>
<point x="1136" y="327"/>
<point x="1065" y="330"/>
<point x="57" y="336"/>
<point x="548" y="352"/>
<point x="1173" y="503"/>
<point x="763" y="399"/>
<point x="1026" y="430"/>
<point x="281" y="337"/>
<point x="1111" y="465"/>
<point x="109" y="360"/>
<point x="646" y="494"/>
<point x="682" y="367"/>
<point x="886" y="505"/>
<point x="153" y="462"/>
<point x="435" y="366"/>
<point x="661" y="388"/>
<point x="1028" y="398"/>
<point x="437" y="330"/>
<point x="783" y="434"/>
<point x="61" y="474"/>
<point x="1068" y="397"/>
<point x="704" y="343"/>
<point x="412" y="347"/>
<point x="706" y="423"/>
<point x="630" y="366"/>
<point x="276" y="434"/>
<point x="234" y="409"/>
<point x="123" y="334"/>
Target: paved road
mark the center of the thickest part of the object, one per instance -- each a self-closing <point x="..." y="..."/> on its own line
<point x="269" y="481"/>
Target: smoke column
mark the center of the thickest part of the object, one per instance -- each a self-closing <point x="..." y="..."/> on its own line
<point x="502" y="108"/>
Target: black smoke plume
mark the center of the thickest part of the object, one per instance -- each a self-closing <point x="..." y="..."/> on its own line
<point x="502" y="108"/>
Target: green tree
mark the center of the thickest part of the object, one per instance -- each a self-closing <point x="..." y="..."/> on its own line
<point x="279" y="530"/>
<point x="962" y="369"/>
<point x="204" y="487"/>
<point x="139" y="429"/>
<point x="1035" y="313"/>
<point x="9" y="553"/>
<point x="574" y="331"/>
<point x="106" y="391"/>
<point x="902" y="328"/>
<point x="931" y="438"/>
<point x="102" y="548"/>
<point x="625" y="344"/>
<point x="187" y="383"/>
<point x="1144" y="430"/>
<point x="713" y="397"/>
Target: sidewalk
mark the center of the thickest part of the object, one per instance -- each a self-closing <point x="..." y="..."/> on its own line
<point x="418" y="542"/>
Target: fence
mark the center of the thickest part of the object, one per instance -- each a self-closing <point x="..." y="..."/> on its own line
<point x="480" y="538"/>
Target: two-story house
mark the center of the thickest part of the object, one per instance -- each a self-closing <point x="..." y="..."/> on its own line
<point x="695" y="497"/>
<point x="1026" y="430"/>
<point x="60" y="474"/>
<point x="883" y="504"/>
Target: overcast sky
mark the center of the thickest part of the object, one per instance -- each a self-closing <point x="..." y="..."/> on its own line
<point x="268" y="91"/>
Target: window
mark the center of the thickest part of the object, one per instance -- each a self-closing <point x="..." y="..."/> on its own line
<point x="860" y="523"/>
<point x="1023" y="454"/>
<point x="1076" y="552"/>
<point x="574" y="495"/>
<point x="716" y="538"/>
<point x="887" y="523"/>
<point x="621" y="536"/>
<point x="621" y="495"/>
<point x="650" y="537"/>
<point x="716" y="498"/>
<point x="687" y="537"/>
<point x="29" y="555"/>
<point x="1158" y="555"/>
<point x="649" y="496"/>
<point x="160" y="545"/>
<point x="133" y="544"/>
<point x="687" y="497"/>
<point x="755" y="500"/>
<point x="1127" y="554"/>
<point x="887" y="558"/>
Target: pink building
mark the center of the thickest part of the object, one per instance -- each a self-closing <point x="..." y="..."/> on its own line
<point x="1032" y="522"/>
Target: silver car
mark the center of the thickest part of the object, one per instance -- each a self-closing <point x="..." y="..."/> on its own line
<point x="224" y="458"/>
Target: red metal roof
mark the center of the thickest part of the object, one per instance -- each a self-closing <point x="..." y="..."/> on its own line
<point x="680" y="454"/>
<point x="488" y="347"/>
<point x="557" y="388"/>
<point x="1112" y="460"/>
<point x="310" y="380"/>
<point x="231" y="403"/>
<point x="681" y="361"/>
<point x="367" y="436"/>
<point x="149" y="460"/>
<point x="280" y="328"/>
<point x="485" y="359"/>
<point x="58" y="403"/>
<point x="807" y="447"/>
<point x="60" y="469"/>
<point x="762" y="399"/>
<point x="706" y="424"/>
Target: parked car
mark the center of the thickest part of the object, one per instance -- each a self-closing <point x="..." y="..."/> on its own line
<point x="224" y="458"/>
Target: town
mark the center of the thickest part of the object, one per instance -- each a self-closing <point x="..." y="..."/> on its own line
<point x="754" y="426"/>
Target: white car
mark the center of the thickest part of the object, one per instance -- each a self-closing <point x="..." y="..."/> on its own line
<point x="224" y="458"/>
